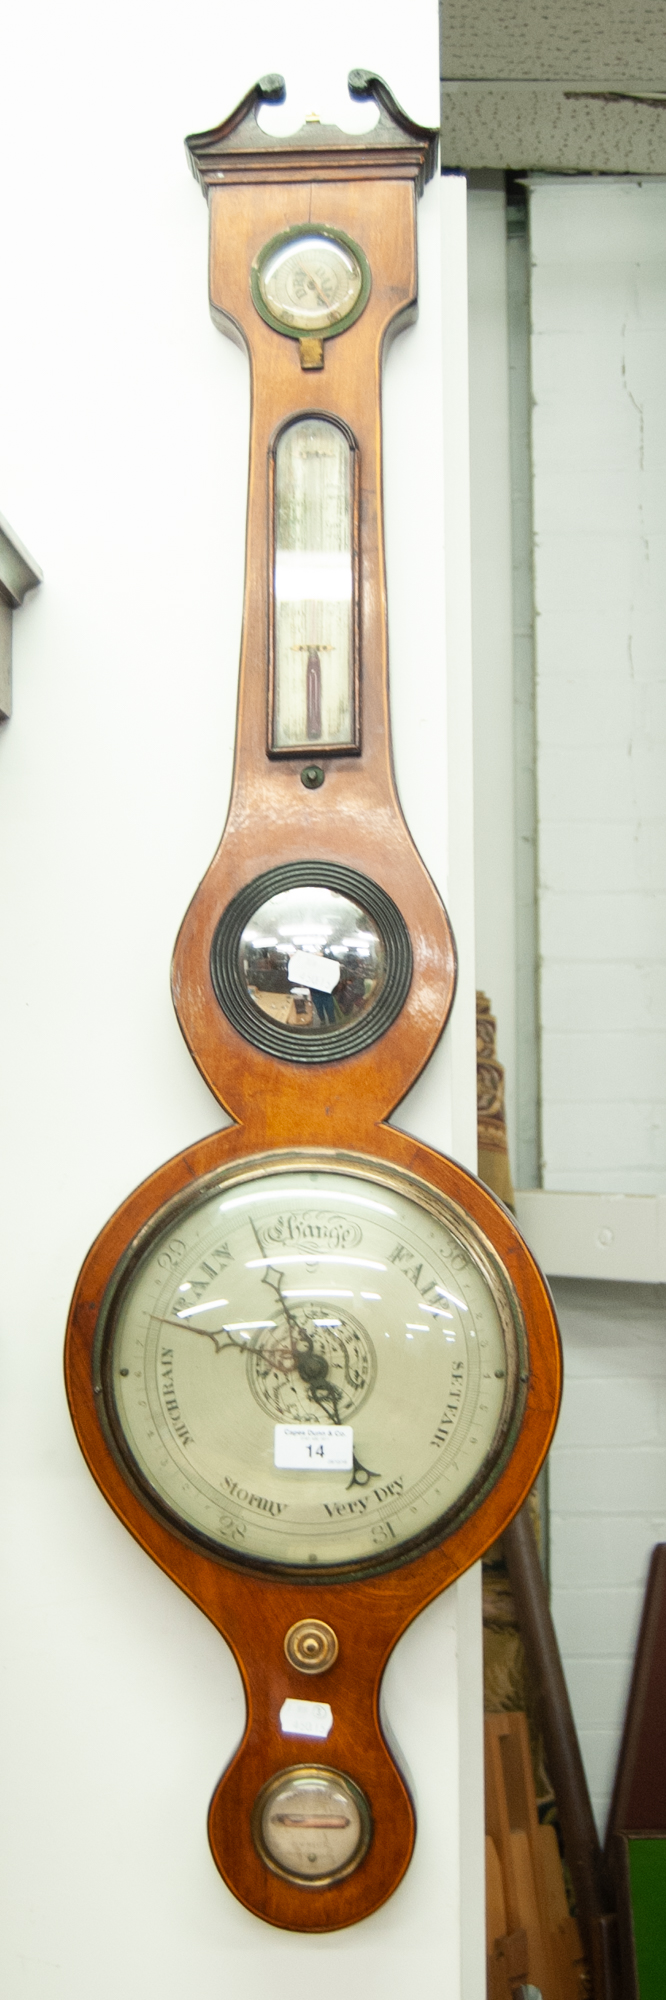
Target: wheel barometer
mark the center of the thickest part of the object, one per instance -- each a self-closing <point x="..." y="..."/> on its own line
<point x="311" y="1363"/>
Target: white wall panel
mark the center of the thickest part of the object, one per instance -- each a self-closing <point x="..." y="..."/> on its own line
<point x="460" y="1039"/>
<point x="492" y="624"/>
<point x="599" y="442"/>
<point x="598" y="307"/>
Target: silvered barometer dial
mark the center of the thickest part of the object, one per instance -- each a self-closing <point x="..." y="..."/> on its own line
<point x="292" y="1304"/>
<point x="310" y="281"/>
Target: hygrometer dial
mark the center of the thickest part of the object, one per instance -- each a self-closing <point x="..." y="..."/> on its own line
<point x="310" y="281"/>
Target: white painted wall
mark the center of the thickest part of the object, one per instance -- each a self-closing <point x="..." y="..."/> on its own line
<point x="124" y="464"/>
<point x="607" y="1500"/>
<point x="598" y="312"/>
<point x="492" y="626"/>
<point x="598" y="302"/>
<point x="459" y="1045"/>
<point x="599" y="441"/>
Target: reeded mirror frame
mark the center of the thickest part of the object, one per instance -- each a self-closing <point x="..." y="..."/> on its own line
<point x="315" y="749"/>
<point x="231" y="990"/>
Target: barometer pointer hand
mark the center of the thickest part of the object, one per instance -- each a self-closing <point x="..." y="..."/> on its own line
<point x="310" y="279"/>
<point x="361" y="1474"/>
<point x="209" y="1333"/>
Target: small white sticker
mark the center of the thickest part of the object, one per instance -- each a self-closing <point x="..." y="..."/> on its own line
<point x="314" y="1447"/>
<point x="310" y="968"/>
<point x="306" y="1718"/>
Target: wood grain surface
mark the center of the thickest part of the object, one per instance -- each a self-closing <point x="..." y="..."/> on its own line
<point x="355" y="817"/>
<point x="254" y="1613"/>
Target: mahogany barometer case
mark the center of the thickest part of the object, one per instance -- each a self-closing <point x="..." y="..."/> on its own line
<point x="311" y="1362"/>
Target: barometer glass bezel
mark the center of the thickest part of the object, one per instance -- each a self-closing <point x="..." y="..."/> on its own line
<point x="439" y="1206"/>
<point x="307" y="231"/>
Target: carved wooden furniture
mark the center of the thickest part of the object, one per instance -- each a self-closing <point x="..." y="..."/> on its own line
<point x="537" y="1943"/>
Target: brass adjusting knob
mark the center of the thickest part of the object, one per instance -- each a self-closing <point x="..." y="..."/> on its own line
<point x="311" y="1646"/>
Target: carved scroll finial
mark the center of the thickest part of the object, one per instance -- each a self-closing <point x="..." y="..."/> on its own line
<point x="239" y="149"/>
<point x="363" y="83"/>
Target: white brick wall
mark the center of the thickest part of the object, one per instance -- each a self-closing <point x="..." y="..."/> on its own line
<point x="599" y="441"/>
<point x="607" y="1500"/>
<point x="492" y="624"/>
<point x="598" y="354"/>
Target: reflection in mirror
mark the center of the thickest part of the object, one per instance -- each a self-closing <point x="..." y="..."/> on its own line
<point x="312" y="960"/>
<point x="313" y="581"/>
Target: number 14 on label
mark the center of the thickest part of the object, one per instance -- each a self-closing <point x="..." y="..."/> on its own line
<point x="314" y="1447"/>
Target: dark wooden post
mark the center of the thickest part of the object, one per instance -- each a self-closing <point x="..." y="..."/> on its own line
<point x="594" y="1896"/>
